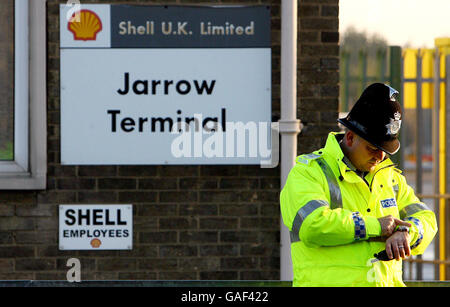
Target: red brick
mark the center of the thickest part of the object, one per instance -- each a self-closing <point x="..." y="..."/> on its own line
<point x="43" y="210"/>
<point x="198" y="210"/>
<point x="157" y="184"/>
<point x="57" y="197"/>
<point x="158" y="264"/>
<point x="330" y="11"/>
<point x="198" y="236"/>
<point x="178" y="223"/>
<point x="199" y="264"/>
<point x="178" y="197"/>
<point x="16" y="251"/>
<point x="319" y="24"/>
<point x="259" y="249"/>
<point x="137" y="276"/>
<point x="16" y="223"/>
<point x="238" y="183"/>
<point x="76" y="184"/>
<point x="6" y="265"/>
<point x="22" y="197"/>
<point x="237" y="210"/>
<point x="308" y="10"/>
<point x="157" y="237"/>
<point x="177" y="276"/>
<point x="238" y="263"/>
<point x="218" y="196"/>
<point x="259" y="223"/>
<point x="156" y="210"/>
<point x="177" y="251"/>
<point x="32" y="237"/>
<point x="219" y="250"/>
<point x="238" y="236"/>
<point x="193" y="183"/>
<point x="218" y="170"/>
<point x="97" y="197"/>
<point x="220" y="275"/>
<point x="137" y="197"/>
<point x="35" y="264"/>
<point x="117" y="184"/>
<point x="260" y="275"/>
<point x="6" y="210"/>
<point x="137" y="170"/>
<point x="116" y="264"/>
<point x="6" y="237"/>
<point x="97" y="171"/>
<point x="218" y="223"/>
<point x="330" y="37"/>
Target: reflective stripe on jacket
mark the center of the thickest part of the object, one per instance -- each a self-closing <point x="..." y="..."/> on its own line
<point x="332" y="214"/>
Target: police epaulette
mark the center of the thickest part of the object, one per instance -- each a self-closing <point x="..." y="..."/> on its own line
<point x="308" y="157"/>
<point x="398" y="170"/>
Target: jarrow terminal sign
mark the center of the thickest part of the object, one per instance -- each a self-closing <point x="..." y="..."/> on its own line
<point x="165" y="84"/>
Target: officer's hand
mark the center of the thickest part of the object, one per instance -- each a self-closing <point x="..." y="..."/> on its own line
<point x="388" y="224"/>
<point x="397" y="245"/>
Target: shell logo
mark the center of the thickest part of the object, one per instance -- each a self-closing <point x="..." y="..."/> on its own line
<point x="95" y="243"/>
<point x="87" y="26"/>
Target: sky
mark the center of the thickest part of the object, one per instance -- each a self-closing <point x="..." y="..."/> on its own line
<point x="415" y="23"/>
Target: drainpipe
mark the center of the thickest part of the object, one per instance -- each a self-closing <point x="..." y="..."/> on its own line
<point x="289" y="125"/>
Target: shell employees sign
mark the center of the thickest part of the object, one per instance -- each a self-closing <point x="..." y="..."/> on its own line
<point x="92" y="227"/>
<point x="165" y="84"/>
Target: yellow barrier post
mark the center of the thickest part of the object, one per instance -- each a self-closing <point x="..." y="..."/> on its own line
<point x="443" y="46"/>
<point x="410" y="72"/>
<point x="418" y="96"/>
<point x="422" y="84"/>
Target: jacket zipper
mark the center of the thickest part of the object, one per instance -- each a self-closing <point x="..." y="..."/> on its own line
<point x="370" y="186"/>
<point x="373" y="179"/>
<point x="364" y="179"/>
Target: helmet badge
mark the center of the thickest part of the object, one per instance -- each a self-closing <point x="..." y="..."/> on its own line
<point x="394" y="126"/>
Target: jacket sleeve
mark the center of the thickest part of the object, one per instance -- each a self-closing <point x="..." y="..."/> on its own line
<point x="305" y="209"/>
<point x="422" y="219"/>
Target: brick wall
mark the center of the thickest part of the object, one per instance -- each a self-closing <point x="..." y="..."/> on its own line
<point x="318" y="75"/>
<point x="190" y="222"/>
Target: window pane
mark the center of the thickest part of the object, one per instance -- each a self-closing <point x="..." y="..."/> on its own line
<point x="7" y="80"/>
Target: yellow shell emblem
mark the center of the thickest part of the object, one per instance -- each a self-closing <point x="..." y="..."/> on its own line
<point x="85" y="25"/>
<point x="95" y="243"/>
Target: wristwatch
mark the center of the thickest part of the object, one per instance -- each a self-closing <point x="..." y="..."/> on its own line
<point x="402" y="228"/>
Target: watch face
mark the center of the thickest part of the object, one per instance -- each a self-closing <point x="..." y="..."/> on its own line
<point x="402" y="228"/>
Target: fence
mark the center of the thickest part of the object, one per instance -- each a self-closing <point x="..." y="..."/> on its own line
<point x="420" y="76"/>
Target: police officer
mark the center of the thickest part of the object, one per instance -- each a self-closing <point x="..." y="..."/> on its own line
<point x="347" y="201"/>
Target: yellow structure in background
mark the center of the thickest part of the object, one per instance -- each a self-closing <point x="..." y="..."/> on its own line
<point x="410" y="72"/>
<point x="443" y="45"/>
<point x="410" y="102"/>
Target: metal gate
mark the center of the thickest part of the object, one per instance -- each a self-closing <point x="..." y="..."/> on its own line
<point x="422" y="79"/>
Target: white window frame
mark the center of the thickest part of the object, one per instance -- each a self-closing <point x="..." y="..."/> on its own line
<point x="28" y="170"/>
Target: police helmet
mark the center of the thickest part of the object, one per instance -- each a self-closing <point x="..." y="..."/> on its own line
<point x="377" y="117"/>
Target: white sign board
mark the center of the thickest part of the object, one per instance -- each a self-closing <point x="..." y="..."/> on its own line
<point x="95" y="227"/>
<point x="127" y="88"/>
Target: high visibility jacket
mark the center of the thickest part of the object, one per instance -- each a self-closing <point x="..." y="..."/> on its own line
<point x="332" y="215"/>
